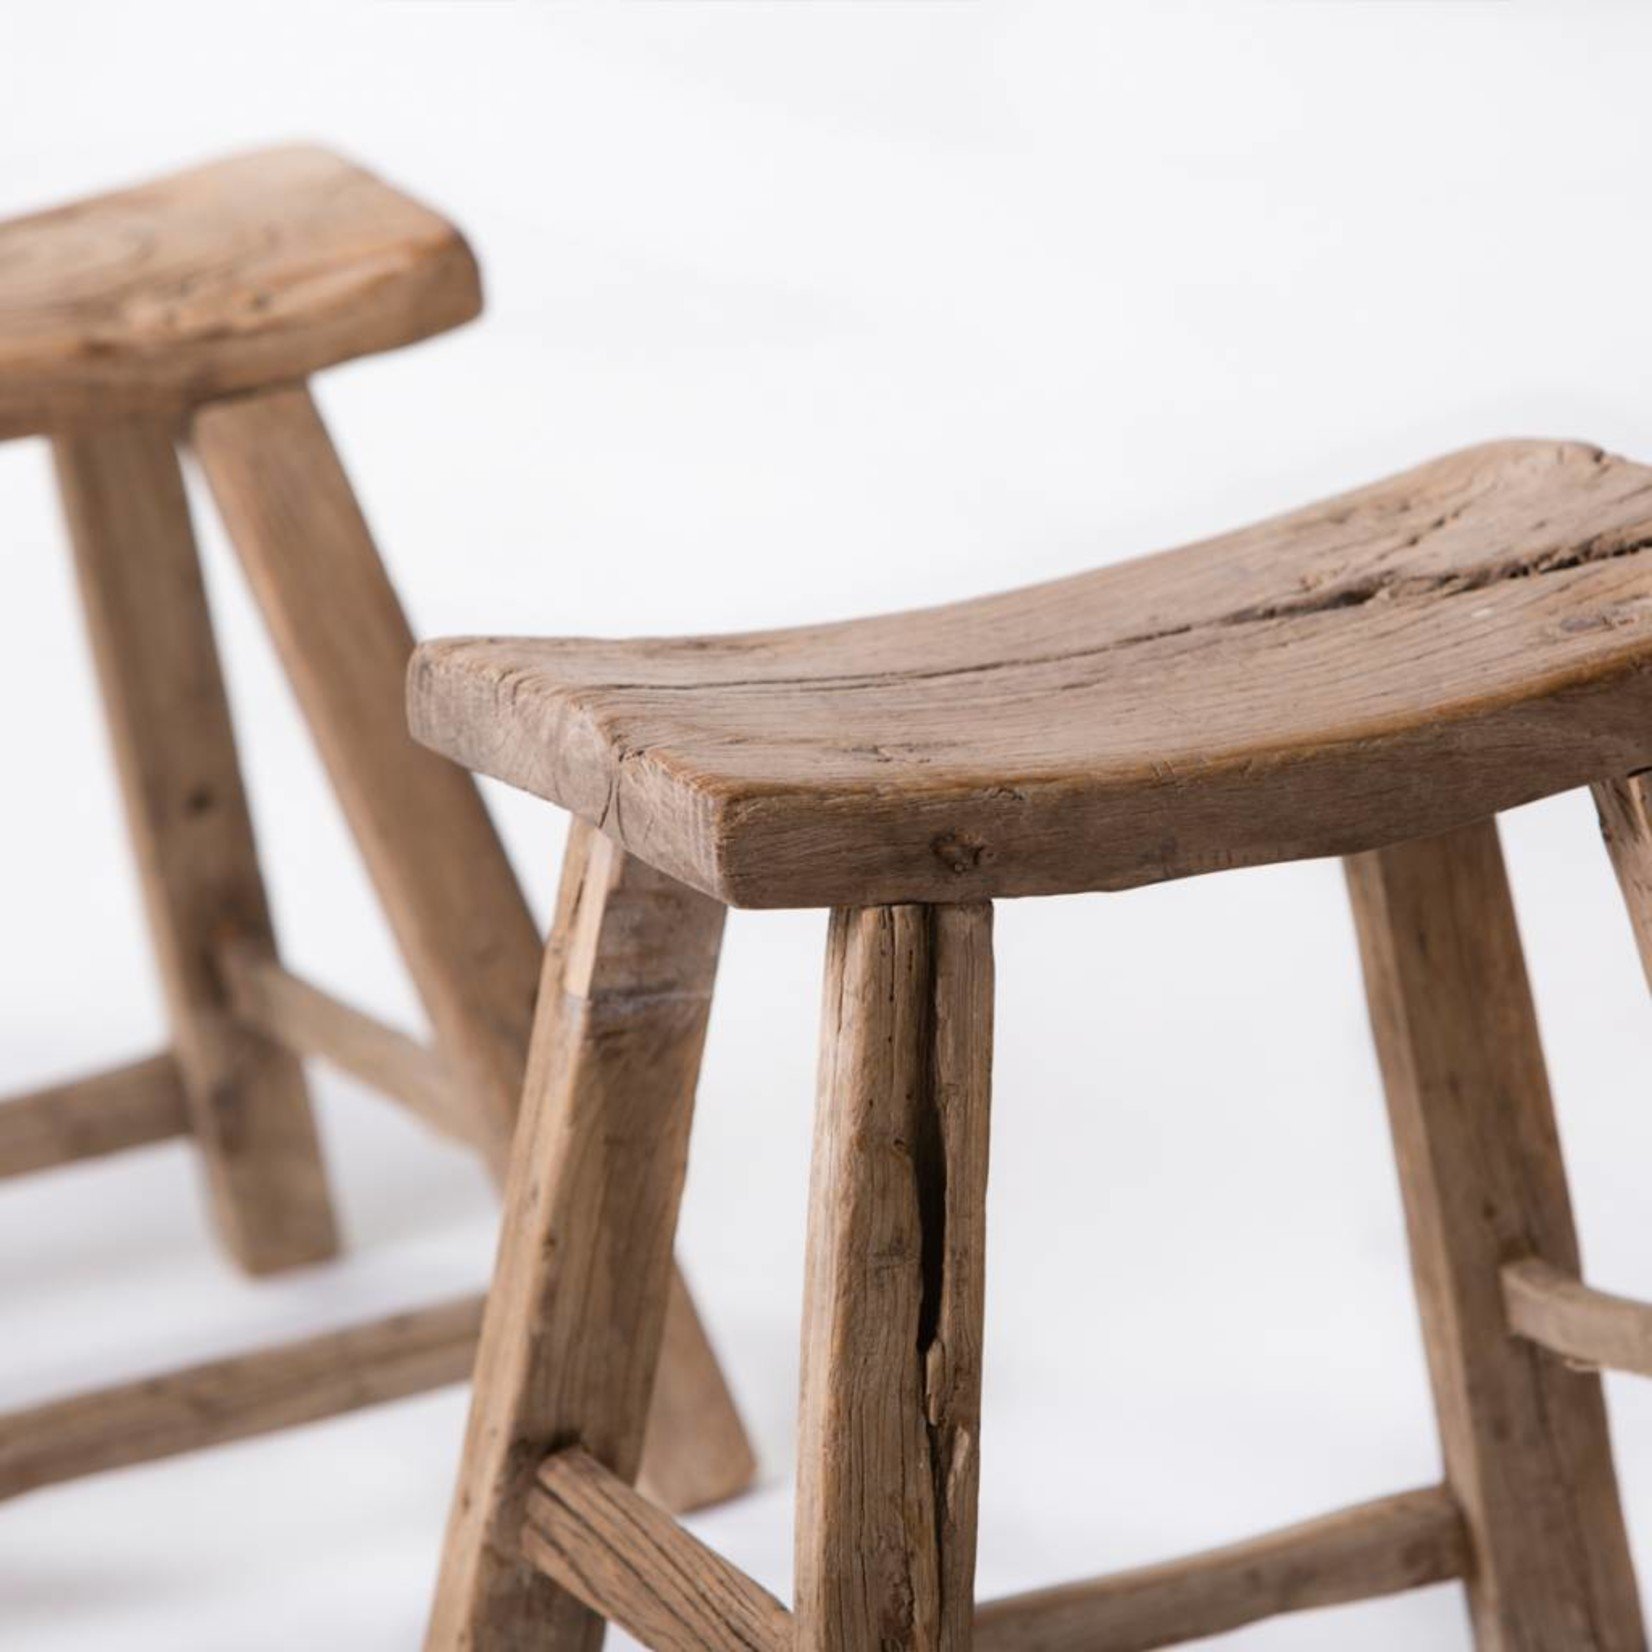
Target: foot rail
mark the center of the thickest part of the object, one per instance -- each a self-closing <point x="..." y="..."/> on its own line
<point x="637" y="1567"/>
<point x="240" y="1397"/>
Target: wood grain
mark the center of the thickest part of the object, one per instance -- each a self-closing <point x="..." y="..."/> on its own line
<point x="1403" y="659"/>
<point x="1625" y="809"/>
<point x="238" y="1398"/>
<point x="638" y="1568"/>
<point x="251" y="271"/>
<point x="696" y="1451"/>
<point x="151" y="633"/>
<point x="576" y="1315"/>
<point x="1378" y="1548"/>
<point x="1585" y="1327"/>
<point x="1526" y="1446"/>
<point x="86" y="1118"/>
<point x="889" y="1436"/>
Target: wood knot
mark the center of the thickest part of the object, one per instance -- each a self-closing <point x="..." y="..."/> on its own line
<point x="961" y="851"/>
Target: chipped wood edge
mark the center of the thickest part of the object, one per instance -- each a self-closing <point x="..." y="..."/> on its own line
<point x="890" y="1409"/>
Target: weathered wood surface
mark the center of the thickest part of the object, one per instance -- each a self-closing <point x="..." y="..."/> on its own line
<point x="889" y="1438"/>
<point x="151" y="633"/>
<point x="86" y="1118"/>
<point x="308" y="1021"/>
<point x="1378" y="1548"/>
<point x="577" y="1311"/>
<point x="1585" y="1327"/>
<point x="638" y="1568"/>
<point x="1525" y="1438"/>
<point x="1420" y="653"/>
<point x="696" y="1451"/>
<point x="238" y="1398"/>
<point x="1625" y="807"/>
<point x="441" y="873"/>
<point x="248" y="272"/>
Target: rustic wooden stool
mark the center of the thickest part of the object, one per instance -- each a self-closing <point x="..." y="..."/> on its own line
<point x="193" y="308"/>
<point x="1375" y="677"/>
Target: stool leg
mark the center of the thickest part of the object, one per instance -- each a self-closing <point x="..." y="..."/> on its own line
<point x="1625" y="808"/>
<point x="436" y="861"/>
<point x="888" y="1443"/>
<point x="577" y="1311"/>
<point x="151" y="633"/>
<point x="1525" y="1438"/>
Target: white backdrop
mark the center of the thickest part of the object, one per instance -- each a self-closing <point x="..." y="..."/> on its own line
<point x="798" y="310"/>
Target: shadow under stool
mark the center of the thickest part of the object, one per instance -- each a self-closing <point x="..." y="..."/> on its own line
<point x="191" y="310"/>
<point x="1374" y="677"/>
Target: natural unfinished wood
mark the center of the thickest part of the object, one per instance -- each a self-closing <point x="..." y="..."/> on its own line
<point x="1527" y="1451"/>
<point x="238" y="1398"/>
<point x="151" y="633"/>
<point x="642" y="1571"/>
<point x="435" y="858"/>
<point x="118" y="317"/>
<point x="577" y="1310"/>
<point x="129" y="1106"/>
<point x="442" y="875"/>
<point x="1378" y="1548"/>
<point x="1625" y="808"/>
<point x="638" y="1568"/>
<point x="250" y="271"/>
<point x="1403" y="659"/>
<point x="697" y="1452"/>
<point x="889" y="1438"/>
<point x="1585" y="1327"/>
<point x="304" y="1019"/>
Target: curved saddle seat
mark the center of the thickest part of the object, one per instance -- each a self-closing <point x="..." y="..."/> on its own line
<point x="249" y="272"/>
<point x="1425" y="651"/>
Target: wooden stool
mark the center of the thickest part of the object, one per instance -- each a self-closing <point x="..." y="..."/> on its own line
<point x="192" y="309"/>
<point x="1375" y="678"/>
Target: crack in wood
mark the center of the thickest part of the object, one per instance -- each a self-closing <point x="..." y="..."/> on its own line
<point x="1359" y="594"/>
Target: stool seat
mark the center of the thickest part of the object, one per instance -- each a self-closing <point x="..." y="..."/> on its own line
<point x="1415" y="655"/>
<point x="253" y="271"/>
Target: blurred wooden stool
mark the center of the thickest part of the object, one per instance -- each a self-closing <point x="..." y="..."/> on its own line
<point x="1376" y="678"/>
<point x="193" y="309"/>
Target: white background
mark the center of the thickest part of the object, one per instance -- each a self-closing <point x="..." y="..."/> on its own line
<point x="798" y="310"/>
